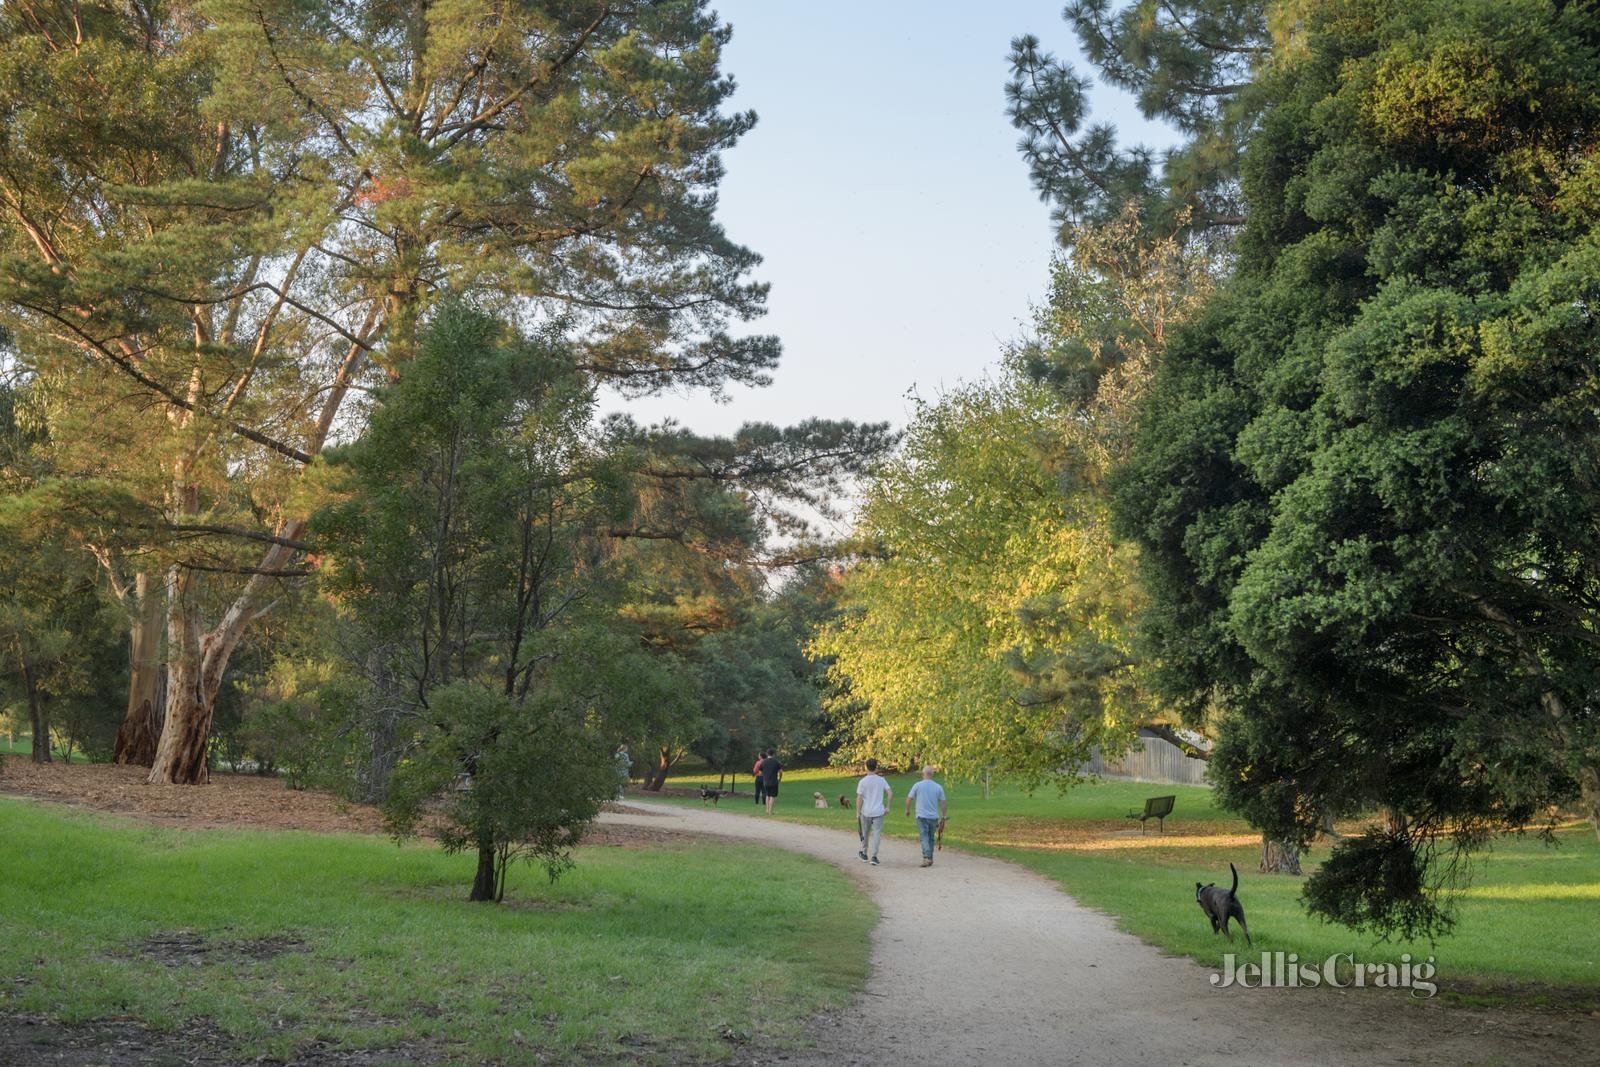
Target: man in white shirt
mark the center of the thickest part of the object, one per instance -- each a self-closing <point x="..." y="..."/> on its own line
<point x="872" y="803"/>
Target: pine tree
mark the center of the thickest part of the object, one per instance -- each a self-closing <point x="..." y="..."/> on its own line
<point x="270" y="197"/>
<point x="1191" y="63"/>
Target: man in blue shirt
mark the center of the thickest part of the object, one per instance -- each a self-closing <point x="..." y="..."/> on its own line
<point x="931" y="810"/>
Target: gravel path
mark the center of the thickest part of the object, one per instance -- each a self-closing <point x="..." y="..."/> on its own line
<point x="978" y="961"/>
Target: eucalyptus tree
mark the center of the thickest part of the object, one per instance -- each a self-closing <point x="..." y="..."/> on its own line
<point x="232" y="214"/>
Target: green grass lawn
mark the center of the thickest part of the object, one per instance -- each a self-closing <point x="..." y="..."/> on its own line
<point x="636" y="954"/>
<point x="23" y="746"/>
<point x="1529" y="915"/>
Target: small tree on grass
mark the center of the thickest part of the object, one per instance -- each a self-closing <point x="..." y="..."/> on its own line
<point x="518" y="780"/>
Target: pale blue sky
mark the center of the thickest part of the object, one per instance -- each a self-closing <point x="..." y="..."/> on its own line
<point x="882" y="185"/>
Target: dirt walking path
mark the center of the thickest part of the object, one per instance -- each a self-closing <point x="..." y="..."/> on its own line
<point x="978" y="961"/>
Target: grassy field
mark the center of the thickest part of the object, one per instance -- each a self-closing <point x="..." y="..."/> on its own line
<point x="282" y="941"/>
<point x="1529" y="916"/>
<point x="23" y="746"/>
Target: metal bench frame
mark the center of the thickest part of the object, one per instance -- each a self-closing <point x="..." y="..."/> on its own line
<point x="1157" y="808"/>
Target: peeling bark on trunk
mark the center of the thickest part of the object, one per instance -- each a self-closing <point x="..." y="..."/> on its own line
<point x="136" y="738"/>
<point x="658" y="775"/>
<point x="1279" y="857"/>
<point x="196" y="663"/>
<point x="197" y="659"/>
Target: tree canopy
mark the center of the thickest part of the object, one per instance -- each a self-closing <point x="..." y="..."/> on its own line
<point x="1363" y="484"/>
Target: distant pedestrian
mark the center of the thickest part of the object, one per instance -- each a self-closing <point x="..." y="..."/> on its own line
<point x="872" y="804"/>
<point x="624" y="765"/>
<point x="771" y="771"/>
<point x="755" y="772"/>
<point x="931" y="811"/>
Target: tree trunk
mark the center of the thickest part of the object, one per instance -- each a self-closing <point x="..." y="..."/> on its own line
<point x="136" y="738"/>
<point x="180" y="757"/>
<point x="1279" y="857"/>
<point x="196" y="663"/>
<point x="36" y="716"/>
<point x="658" y="778"/>
<point x="1327" y="829"/>
<point x="483" y="883"/>
<point x="1556" y="707"/>
<point x="1589" y="785"/>
<point x="181" y="753"/>
<point x="381" y="760"/>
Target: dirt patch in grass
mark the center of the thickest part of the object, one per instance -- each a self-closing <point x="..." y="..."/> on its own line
<point x="243" y="801"/>
<point x="230" y="800"/>
<point x="34" y="1039"/>
<point x="189" y="948"/>
<point x="613" y="835"/>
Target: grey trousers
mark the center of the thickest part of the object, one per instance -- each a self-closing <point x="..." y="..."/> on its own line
<point x="871" y="831"/>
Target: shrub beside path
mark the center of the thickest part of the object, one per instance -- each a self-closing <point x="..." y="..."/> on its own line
<point x="976" y="960"/>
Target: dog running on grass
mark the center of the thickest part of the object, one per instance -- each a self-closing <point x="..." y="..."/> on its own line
<point x="713" y="795"/>
<point x="819" y="800"/>
<point x="1220" y="905"/>
<point x="846" y="802"/>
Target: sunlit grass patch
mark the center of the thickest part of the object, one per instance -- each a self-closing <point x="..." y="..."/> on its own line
<point x="278" y="940"/>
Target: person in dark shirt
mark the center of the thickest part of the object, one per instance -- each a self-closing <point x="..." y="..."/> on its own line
<point x="771" y="771"/>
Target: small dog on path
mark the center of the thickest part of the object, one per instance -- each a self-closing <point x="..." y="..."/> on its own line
<point x="819" y="800"/>
<point x="1220" y="905"/>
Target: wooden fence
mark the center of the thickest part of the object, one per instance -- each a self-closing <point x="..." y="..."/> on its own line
<point x="1151" y="759"/>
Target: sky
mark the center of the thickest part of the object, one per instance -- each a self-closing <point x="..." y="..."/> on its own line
<point x="902" y="239"/>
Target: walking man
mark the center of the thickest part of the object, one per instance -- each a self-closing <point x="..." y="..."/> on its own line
<point x="872" y="804"/>
<point x="931" y="811"/>
<point x="771" y="771"/>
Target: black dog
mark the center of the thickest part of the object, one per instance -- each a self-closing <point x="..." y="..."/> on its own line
<point x="845" y="802"/>
<point x="1220" y="905"/>
<point x="713" y="795"/>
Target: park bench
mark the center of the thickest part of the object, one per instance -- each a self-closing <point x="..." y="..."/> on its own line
<point x="1157" y="808"/>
